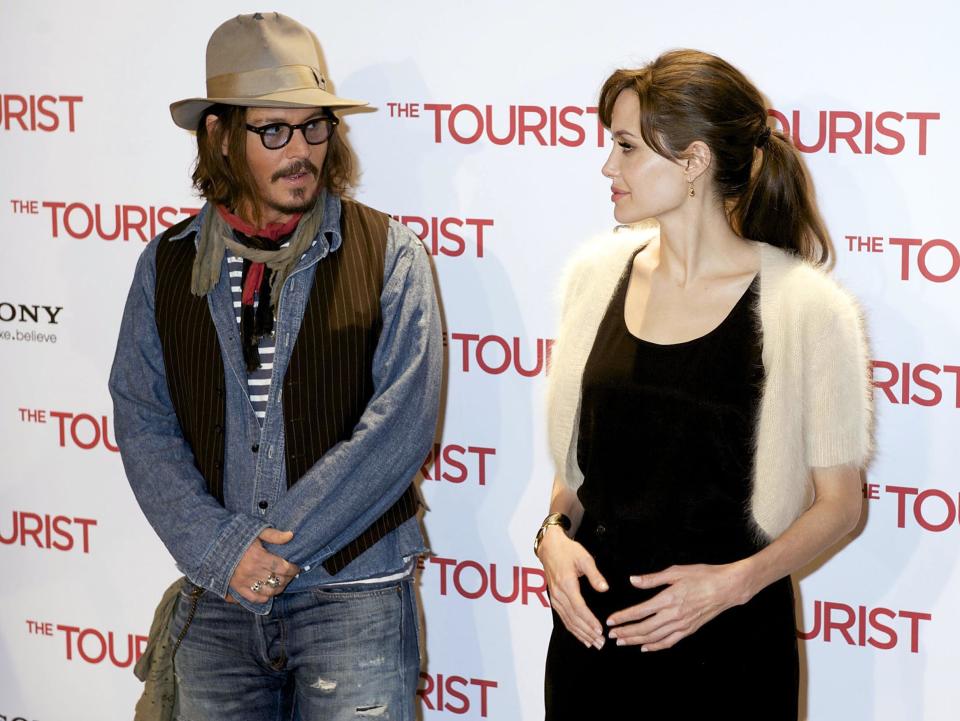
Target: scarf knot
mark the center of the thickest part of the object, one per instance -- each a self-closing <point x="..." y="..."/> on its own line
<point x="266" y="265"/>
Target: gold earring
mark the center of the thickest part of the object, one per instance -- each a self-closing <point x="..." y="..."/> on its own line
<point x="691" y="192"/>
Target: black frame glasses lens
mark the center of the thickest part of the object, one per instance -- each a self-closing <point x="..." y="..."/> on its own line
<point x="274" y="136"/>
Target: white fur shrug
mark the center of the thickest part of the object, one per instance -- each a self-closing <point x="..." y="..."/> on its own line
<point x="816" y="404"/>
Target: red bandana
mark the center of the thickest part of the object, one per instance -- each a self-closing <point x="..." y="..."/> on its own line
<point x="271" y="231"/>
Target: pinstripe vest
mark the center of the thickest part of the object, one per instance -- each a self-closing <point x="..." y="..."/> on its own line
<point x="323" y="399"/>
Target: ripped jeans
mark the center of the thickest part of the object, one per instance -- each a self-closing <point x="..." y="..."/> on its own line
<point x="337" y="653"/>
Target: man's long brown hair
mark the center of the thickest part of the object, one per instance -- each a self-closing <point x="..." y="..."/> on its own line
<point x="225" y="178"/>
<point x="688" y="95"/>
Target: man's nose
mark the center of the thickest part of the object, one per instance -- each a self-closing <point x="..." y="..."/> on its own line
<point x="298" y="147"/>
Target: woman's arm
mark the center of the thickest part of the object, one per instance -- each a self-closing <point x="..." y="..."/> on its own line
<point x="564" y="500"/>
<point x="564" y="562"/>
<point x="698" y="593"/>
<point x="833" y="515"/>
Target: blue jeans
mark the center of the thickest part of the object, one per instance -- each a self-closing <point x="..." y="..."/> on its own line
<point x="347" y="652"/>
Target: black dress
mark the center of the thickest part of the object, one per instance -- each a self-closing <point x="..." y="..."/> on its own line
<point x="666" y="447"/>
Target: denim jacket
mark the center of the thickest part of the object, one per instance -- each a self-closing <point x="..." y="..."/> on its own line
<point x="345" y="491"/>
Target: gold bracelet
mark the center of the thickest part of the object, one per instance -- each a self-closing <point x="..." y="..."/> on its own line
<point x="554" y="519"/>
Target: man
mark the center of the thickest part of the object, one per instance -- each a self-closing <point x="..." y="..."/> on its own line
<point x="276" y="388"/>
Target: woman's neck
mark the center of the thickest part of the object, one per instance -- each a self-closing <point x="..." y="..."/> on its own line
<point x="697" y="243"/>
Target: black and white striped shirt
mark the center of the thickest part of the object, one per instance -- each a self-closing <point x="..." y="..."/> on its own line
<point x="258" y="380"/>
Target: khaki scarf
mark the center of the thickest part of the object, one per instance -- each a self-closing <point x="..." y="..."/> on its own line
<point x="216" y="236"/>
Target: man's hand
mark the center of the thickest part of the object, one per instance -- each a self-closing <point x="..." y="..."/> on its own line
<point x="259" y="565"/>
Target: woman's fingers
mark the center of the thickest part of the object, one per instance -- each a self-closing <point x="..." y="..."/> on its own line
<point x="658" y="603"/>
<point x="588" y="568"/>
<point x="569" y="622"/>
<point x="668" y="642"/>
<point x="576" y="615"/>
<point x="644" y="633"/>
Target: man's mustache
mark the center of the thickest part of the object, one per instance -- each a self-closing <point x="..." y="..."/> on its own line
<point x="299" y="166"/>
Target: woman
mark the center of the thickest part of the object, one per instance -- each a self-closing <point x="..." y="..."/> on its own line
<point x="709" y="411"/>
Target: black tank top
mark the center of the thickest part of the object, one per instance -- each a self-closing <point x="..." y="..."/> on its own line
<point x="666" y="438"/>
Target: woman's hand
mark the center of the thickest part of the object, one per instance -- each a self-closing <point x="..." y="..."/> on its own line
<point x="693" y="595"/>
<point x="564" y="562"/>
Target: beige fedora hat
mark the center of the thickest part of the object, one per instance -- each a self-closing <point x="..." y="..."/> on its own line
<point x="261" y="60"/>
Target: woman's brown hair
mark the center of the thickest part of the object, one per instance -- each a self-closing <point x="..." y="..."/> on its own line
<point x="225" y="179"/>
<point x="688" y="95"/>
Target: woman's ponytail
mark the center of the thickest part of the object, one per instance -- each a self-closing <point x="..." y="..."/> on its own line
<point x="778" y="207"/>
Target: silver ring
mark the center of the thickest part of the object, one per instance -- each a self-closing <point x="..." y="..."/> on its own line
<point x="256" y="586"/>
<point x="273" y="581"/>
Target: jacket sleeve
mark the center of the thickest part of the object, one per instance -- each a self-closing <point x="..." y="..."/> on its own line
<point x="205" y="539"/>
<point x="360" y="478"/>
<point x="836" y="382"/>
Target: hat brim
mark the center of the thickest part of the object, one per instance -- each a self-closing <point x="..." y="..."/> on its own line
<point x="187" y="113"/>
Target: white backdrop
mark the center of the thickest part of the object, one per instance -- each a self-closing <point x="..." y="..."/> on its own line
<point x="483" y="139"/>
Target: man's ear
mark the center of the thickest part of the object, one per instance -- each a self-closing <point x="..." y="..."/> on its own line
<point x="212" y="121"/>
<point x="697" y="157"/>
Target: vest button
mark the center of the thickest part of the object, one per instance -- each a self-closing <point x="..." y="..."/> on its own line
<point x="600" y="530"/>
<point x="255" y="447"/>
<point x="263" y="505"/>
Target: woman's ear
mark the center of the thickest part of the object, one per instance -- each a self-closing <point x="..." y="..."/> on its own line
<point x="698" y="158"/>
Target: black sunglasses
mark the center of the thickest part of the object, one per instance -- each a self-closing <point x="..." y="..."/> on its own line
<point x="316" y="131"/>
